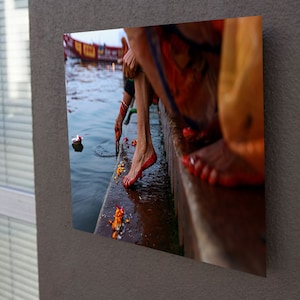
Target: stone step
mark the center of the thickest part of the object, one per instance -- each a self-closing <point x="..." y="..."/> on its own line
<point x="217" y="225"/>
<point x="149" y="217"/>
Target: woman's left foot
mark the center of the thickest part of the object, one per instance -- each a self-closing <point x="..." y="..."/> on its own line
<point x="217" y="164"/>
<point x="210" y="134"/>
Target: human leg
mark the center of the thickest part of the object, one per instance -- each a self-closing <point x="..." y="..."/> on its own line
<point x="127" y="98"/>
<point x="183" y="73"/>
<point x="238" y="158"/>
<point x="144" y="155"/>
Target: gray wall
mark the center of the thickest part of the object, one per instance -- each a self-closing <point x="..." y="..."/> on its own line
<point x="78" y="265"/>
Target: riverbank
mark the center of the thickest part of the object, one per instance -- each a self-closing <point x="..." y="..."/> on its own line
<point x="216" y="225"/>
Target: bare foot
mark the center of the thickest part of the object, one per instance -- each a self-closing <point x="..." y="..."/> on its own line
<point x="210" y="134"/>
<point x="217" y="164"/>
<point x="140" y="163"/>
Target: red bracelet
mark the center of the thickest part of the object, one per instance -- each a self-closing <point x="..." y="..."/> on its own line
<point x="123" y="109"/>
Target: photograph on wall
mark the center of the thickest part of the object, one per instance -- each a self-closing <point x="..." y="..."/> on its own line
<point x="166" y="138"/>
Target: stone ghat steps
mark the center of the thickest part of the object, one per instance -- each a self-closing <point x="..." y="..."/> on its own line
<point x="184" y="215"/>
<point x="221" y="226"/>
<point x="149" y="216"/>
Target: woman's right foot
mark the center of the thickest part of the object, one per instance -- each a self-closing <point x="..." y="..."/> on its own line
<point x="139" y="164"/>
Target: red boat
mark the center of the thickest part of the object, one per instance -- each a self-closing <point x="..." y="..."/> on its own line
<point x="90" y="52"/>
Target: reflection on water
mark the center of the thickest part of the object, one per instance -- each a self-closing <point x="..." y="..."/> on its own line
<point x="94" y="92"/>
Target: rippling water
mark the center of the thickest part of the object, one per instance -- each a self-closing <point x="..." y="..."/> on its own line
<point x="94" y="93"/>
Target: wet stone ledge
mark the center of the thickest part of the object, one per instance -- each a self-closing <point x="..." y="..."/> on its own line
<point x="221" y="226"/>
<point x="149" y="217"/>
<point x="173" y="211"/>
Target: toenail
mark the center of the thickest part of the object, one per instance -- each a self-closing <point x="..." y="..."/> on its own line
<point x="185" y="160"/>
<point x="204" y="173"/>
<point x="213" y="177"/>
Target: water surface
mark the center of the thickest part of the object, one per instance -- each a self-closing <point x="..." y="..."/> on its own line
<point x="94" y="93"/>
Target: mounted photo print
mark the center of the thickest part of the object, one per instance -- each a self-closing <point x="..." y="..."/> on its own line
<point x="166" y="138"/>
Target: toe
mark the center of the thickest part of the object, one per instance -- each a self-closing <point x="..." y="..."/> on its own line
<point x="188" y="133"/>
<point x="213" y="177"/>
<point x="185" y="160"/>
<point x="198" y="166"/>
<point x="205" y="173"/>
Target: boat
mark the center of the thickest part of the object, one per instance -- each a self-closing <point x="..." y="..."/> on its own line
<point x="90" y="52"/>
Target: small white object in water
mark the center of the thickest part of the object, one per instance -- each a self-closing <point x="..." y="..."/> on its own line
<point x="78" y="139"/>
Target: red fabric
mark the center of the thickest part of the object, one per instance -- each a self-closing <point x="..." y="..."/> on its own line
<point x="218" y="25"/>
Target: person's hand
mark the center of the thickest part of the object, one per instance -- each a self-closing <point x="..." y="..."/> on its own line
<point x="130" y="65"/>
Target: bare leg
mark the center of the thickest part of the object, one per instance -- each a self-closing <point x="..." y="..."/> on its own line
<point x="238" y="158"/>
<point x="120" y="118"/>
<point x="144" y="155"/>
<point x="186" y="81"/>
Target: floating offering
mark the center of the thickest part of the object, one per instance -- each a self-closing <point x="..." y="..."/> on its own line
<point x="133" y="143"/>
<point x="77" y="140"/>
<point x="77" y="143"/>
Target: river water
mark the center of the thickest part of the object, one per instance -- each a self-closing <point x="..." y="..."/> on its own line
<point x="94" y="93"/>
